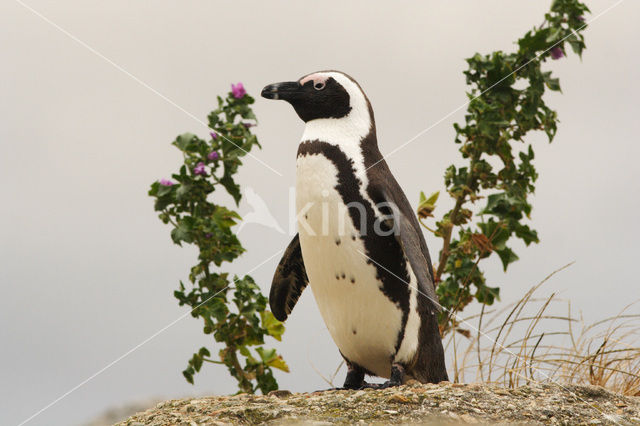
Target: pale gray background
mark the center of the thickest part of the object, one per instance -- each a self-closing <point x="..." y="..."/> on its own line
<point x="87" y="270"/>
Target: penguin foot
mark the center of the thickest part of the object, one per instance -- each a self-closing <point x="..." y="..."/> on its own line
<point x="396" y="378"/>
<point x="366" y="385"/>
<point x="385" y="385"/>
<point x="354" y="379"/>
<point x="330" y="389"/>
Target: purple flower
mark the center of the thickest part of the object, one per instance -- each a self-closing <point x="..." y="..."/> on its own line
<point x="557" y="53"/>
<point x="166" y="182"/>
<point x="208" y="235"/>
<point x="213" y="155"/>
<point x="214" y="135"/>
<point x="581" y="18"/>
<point x="238" y="90"/>
<point x="199" y="169"/>
<point x="247" y="125"/>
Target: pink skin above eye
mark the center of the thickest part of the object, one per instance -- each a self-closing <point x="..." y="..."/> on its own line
<point x="317" y="79"/>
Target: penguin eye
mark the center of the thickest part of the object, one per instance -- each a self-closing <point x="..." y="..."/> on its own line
<point x="319" y="85"/>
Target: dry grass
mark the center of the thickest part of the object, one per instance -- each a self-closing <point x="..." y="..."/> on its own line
<point x="540" y="340"/>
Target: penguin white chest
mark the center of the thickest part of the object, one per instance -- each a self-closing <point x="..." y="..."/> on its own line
<point x="362" y="321"/>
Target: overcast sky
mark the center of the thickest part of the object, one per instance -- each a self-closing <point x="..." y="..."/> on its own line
<point x="87" y="270"/>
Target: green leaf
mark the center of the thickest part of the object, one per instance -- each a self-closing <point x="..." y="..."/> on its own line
<point x="433" y="198"/>
<point x="266" y="354"/>
<point x="266" y="382"/>
<point x="527" y="234"/>
<point x="183" y="141"/>
<point x="197" y="362"/>
<point x="182" y="192"/>
<point x="250" y="359"/>
<point x="153" y="190"/>
<point x="427" y="205"/>
<point x="274" y="327"/>
<point x="164" y="190"/>
<point x="554" y="35"/>
<point x="551" y="83"/>
<point x="533" y="42"/>
<point x="487" y="295"/>
<point x="188" y="374"/>
<point x="279" y="363"/>
<point x="224" y="218"/>
<point x="232" y="188"/>
<point x="182" y="233"/>
<point x="507" y="256"/>
<point x="217" y="308"/>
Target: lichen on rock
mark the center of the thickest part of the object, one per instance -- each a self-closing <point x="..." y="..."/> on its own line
<point x="417" y="403"/>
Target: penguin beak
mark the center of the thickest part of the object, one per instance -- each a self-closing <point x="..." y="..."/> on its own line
<point x="285" y="91"/>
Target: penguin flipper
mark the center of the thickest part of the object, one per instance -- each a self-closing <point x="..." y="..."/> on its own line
<point x="288" y="282"/>
<point x="409" y="240"/>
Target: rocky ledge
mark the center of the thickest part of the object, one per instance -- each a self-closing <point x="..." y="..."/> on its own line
<point x="413" y="403"/>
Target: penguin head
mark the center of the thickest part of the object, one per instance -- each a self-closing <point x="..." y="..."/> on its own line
<point x="322" y="95"/>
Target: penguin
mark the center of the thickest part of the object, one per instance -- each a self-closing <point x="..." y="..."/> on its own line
<point x="359" y="245"/>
